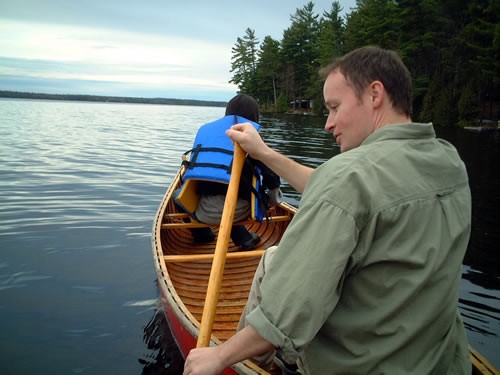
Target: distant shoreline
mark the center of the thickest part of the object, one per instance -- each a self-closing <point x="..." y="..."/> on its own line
<point x="110" y="99"/>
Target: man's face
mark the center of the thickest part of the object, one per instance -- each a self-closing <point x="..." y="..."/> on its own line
<point x="350" y="118"/>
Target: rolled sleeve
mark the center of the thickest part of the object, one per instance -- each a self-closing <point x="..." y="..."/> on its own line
<point x="259" y="321"/>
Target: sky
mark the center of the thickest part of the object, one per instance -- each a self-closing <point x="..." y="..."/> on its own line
<point x="151" y="48"/>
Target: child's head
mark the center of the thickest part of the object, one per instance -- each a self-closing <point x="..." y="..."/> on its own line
<point x="245" y="106"/>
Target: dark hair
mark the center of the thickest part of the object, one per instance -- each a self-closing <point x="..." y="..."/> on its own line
<point x="365" y="65"/>
<point x="243" y="105"/>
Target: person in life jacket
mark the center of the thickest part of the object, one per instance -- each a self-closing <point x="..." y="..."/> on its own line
<point x="202" y="194"/>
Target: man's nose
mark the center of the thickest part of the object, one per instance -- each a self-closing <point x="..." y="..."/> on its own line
<point x="330" y="124"/>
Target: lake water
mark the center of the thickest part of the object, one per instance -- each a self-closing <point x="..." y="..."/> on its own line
<point x="80" y="184"/>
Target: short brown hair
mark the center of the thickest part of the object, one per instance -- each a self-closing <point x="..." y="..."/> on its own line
<point x="365" y="65"/>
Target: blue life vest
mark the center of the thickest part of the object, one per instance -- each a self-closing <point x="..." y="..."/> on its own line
<point x="211" y="160"/>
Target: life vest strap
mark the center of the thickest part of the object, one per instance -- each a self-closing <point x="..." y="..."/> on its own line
<point x="192" y="163"/>
<point x="262" y="199"/>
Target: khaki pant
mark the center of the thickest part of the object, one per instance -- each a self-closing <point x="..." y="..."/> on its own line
<point x="210" y="207"/>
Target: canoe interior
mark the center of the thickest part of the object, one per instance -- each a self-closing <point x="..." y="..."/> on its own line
<point x="190" y="278"/>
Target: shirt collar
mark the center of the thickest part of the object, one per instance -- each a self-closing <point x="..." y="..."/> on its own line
<point x="409" y="130"/>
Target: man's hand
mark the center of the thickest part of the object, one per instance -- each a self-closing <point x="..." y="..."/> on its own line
<point x="245" y="344"/>
<point x="249" y="140"/>
<point x="203" y="361"/>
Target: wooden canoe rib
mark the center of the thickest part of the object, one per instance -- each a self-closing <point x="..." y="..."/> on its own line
<point x="183" y="270"/>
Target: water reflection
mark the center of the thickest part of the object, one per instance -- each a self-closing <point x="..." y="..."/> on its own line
<point x="480" y="309"/>
<point x="480" y="152"/>
<point x="164" y="357"/>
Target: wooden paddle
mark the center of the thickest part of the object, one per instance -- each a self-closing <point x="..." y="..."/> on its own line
<point x="214" y="283"/>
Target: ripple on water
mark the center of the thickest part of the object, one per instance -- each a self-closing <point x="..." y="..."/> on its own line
<point x="19" y="279"/>
<point x="90" y="289"/>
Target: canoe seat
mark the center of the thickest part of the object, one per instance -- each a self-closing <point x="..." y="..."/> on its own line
<point x="198" y="257"/>
<point x="178" y="225"/>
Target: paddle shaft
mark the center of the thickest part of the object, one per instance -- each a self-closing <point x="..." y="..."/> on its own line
<point x="214" y="283"/>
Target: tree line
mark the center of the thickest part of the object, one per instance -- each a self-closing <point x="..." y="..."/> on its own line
<point x="451" y="48"/>
<point x="110" y="99"/>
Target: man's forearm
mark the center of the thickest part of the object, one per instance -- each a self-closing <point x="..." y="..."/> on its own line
<point x="245" y="344"/>
<point x="292" y="172"/>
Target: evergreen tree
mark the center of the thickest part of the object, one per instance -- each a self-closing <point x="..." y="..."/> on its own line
<point x="445" y="107"/>
<point x="282" y="103"/>
<point x="239" y="63"/>
<point x="482" y="36"/>
<point x="244" y="62"/>
<point x="330" y="45"/>
<point x="299" y="49"/>
<point x="331" y="35"/>
<point x="426" y="114"/>
<point x="423" y="32"/>
<point x="468" y="104"/>
<point x="439" y="102"/>
<point x="372" y="22"/>
<point x="267" y="72"/>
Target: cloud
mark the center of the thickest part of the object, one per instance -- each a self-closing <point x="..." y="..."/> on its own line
<point x="152" y="61"/>
<point x="109" y="88"/>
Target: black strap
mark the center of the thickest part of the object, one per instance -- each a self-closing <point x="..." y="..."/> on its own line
<point x="192" y="163"/>
<point x="196" y="150"/>
<point x="262" y="197"/>
<point x="214" y="149"/>
<point x="211" y="165"/>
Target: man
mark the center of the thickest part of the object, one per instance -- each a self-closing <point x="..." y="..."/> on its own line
<point x="366" y="277"/>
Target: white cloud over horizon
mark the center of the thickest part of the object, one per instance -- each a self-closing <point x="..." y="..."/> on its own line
<point x="158" y="62"/>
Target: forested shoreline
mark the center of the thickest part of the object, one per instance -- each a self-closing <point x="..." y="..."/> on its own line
<point x="451" y="47"/>
<point x="110" y="99"/>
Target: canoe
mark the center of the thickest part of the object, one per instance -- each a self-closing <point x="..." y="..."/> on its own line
<point x="183" y="270"/>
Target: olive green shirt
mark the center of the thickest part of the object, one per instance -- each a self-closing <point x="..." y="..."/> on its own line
<point x="366" y="278"/>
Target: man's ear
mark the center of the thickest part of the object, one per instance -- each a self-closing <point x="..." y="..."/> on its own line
<point x="377" y="93"/>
